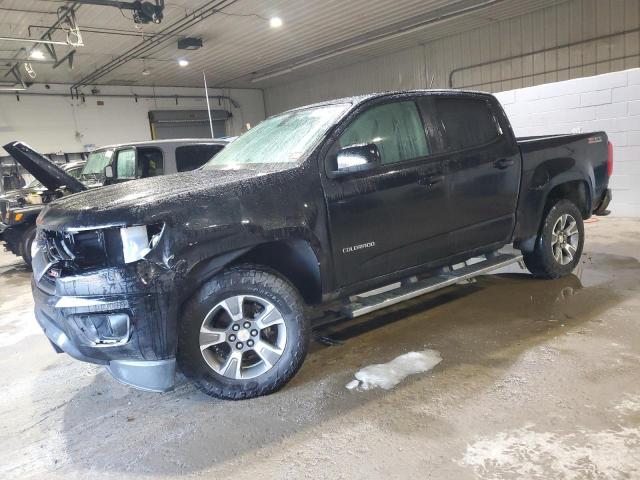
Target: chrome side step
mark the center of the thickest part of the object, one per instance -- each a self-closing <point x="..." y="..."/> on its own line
<point x="449" y="276"/>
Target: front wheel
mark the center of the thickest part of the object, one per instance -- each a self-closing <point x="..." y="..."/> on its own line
<point x="559" y="244"/>
<point x="28" y="237"/>
<point x="243" y="334"/>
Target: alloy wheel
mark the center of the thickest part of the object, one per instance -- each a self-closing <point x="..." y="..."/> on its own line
<point x="242" y="337"/>
<point x="565" y="238"/>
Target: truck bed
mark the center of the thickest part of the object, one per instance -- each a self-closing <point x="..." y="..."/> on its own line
<point x="551" y="160"/>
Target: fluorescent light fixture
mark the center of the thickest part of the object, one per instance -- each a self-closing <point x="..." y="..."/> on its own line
<point x="36" y="55"/>
<point x="183" y="62"/>
<point x="275" y="22"/>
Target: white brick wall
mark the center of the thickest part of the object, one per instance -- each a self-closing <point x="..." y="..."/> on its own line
<point x="609" y="102"/>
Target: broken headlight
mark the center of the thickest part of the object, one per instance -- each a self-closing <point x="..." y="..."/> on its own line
<point x="139" y="240"/>
<point x="97" y="248"/>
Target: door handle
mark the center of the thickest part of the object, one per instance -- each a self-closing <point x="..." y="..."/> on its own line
<point x="503" y="163"/>
<point x="430" y="180"/>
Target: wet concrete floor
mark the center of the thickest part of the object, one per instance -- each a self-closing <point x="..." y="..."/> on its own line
<point x="538" y="379"/>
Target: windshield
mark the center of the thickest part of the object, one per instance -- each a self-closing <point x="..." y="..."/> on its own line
<point x="35" y="183"/>
<point x="74" y="172"/>
<point x="284" y="138"/>
<point x="94" y="168"/>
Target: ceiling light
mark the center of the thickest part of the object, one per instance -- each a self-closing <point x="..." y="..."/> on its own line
<point x="146" y="72"/>
<point x="275" y="22"/>
<point x="36" y="55"/>
<point x="183" y="63"/>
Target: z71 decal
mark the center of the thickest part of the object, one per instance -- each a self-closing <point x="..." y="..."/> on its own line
<point x="597" y="139"/>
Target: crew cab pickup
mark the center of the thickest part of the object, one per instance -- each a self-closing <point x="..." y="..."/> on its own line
<point x="214" y="270"/>
<point x="104" y="166"/>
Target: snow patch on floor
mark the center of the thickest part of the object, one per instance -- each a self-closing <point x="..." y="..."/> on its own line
<point x="630" y="405"/>
<point x="526" y="453"/>
<point x="388" y="375"/>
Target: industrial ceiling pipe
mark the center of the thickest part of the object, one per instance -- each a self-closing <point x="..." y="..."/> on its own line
<point x="399" y="29"/>
<point x="147" y="45"/>
<point x="46" y="36"/>
<point x="33" y="40"/>
<point x="11" y="91"/>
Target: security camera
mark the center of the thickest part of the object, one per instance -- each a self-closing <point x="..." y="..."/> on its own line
<point x="143" y="12"/>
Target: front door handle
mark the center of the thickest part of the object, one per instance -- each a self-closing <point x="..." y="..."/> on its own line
<point x="430" y="180"/>
<point x="503" y="163"/>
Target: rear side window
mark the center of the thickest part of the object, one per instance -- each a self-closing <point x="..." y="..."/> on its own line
<point x="395" y="128"/>
<point x="191" y="157"/>
<point x="466" y="123"/>
<point x="150" y="162"/>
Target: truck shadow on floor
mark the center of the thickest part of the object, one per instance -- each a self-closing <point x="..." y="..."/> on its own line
<point x="483" y="327"/>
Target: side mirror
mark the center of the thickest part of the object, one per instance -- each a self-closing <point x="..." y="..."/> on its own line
<point x="108" y="171"/>
<point x="357" y="158"/>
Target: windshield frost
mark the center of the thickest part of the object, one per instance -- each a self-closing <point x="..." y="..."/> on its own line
<point x="284" y="138"/>
<point x="94" y="168"/>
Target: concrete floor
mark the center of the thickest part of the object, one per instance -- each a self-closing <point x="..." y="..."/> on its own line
<point x="539" y="379"/>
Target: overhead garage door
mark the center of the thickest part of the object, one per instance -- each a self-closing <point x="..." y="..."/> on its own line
<point x="187" y="123"/>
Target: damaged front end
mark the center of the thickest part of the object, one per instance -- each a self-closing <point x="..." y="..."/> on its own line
<point x="105" y="296"/>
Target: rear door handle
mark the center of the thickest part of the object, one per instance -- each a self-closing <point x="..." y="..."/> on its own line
<point x="430" y="180"/>
<point x="503" y="163"/>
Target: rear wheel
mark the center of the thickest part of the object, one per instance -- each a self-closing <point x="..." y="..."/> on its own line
<point x="25" y="244"/>
<point x="559" y="244"/>
<point x="243" y="334"/>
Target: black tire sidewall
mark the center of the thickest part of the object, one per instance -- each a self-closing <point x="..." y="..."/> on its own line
<point x="256" y="281"/>
<point x="25" y="244"/>
<point x="543" y="246"/>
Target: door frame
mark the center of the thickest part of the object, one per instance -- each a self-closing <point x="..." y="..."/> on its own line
<point x="328" y="148"/>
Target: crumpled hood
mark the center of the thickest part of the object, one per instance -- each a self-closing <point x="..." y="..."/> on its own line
<point x="152" y="199"/>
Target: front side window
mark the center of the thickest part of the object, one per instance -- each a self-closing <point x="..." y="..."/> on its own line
<point x="190" y="157"/>
<point x="284" y="138"/>
<point x="395" y="128"/>
<point x="466" y="122"/>
<point x="126" y="164"/>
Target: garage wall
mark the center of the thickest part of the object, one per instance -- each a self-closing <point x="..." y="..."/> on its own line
<point x="52" y="124"/>
<point x="609" y="102"/>
<point x="562" y="35"/>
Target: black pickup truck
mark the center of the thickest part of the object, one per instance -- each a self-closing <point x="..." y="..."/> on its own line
<point x="217" y="270"/>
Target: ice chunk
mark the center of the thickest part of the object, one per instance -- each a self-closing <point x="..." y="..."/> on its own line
<point x="352" y="384"/>
<point x="388" y="375"/>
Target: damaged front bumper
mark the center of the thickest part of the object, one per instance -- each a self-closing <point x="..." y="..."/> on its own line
<point x="120" y="317"/>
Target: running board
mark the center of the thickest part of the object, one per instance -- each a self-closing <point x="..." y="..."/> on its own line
<point x="445" y="278"/>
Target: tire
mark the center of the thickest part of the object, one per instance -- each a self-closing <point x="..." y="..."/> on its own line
<point x="209" y="344"/>
<point x="25" y="244"/>
<point x="555" y="256"/>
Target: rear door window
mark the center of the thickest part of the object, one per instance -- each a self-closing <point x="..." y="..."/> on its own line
<point x="191" y="157"/>
<point x="466" y="123"/>
<point x="150" y="162"/>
